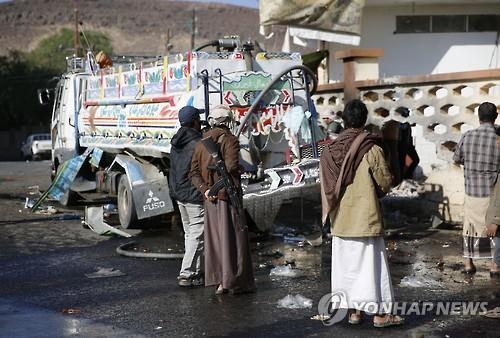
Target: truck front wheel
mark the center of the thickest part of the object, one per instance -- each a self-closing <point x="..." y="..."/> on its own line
<point x="126" y="208"/>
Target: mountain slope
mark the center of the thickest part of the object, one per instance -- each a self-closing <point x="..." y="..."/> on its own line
<point x="135" y="27"/>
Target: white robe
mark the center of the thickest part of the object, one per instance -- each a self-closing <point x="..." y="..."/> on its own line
<point x="360" y="271"/>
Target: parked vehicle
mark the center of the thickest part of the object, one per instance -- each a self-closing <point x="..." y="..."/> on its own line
<point x="124" y="117"/>
<point x="36" y="146"/>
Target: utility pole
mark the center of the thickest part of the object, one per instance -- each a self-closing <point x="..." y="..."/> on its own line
<point x="193" y="28"/>
<point x="168" y="44"/>
<point x="76" y="37"/>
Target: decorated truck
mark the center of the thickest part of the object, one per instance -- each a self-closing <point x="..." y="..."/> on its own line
<point x="111" y="127"/>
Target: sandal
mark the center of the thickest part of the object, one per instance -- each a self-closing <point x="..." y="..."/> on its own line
<point x="355" y="318"/>
<point x="220" y="290"/>
<point x="389" y="320"/>
<point x="470" y="271"/>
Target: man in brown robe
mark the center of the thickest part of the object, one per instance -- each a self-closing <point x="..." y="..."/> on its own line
<point x="228" y="264"/>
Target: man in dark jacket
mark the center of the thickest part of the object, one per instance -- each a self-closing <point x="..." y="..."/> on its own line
<point x="188" y="198"/>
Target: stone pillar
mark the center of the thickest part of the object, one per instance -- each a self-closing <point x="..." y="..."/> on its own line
<point x="359" y="64"/>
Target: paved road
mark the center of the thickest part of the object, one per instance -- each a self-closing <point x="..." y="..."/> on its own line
<point x="44" y="291"/>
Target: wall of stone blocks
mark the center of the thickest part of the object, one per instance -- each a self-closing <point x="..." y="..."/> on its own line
<point x="440" y="112"/>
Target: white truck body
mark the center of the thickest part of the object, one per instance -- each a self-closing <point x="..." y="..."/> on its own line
<point x="129" y="114"/>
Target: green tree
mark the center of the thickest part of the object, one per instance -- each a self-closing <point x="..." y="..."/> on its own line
<point x="22" y="74"/>
<point x="51" y="52"/>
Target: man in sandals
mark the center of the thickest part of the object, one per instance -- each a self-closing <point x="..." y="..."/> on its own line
<point x="228" y="264"/>
<point x="493" y="220"/>
<point x="355" y="160"/>
<point x="479" y="153"/>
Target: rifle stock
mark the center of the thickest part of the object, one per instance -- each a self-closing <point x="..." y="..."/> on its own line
<point x="226" y="181"/>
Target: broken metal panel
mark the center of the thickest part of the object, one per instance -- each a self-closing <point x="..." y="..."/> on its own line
<point x="62" y="182"/>
<point x="94" y="218"/>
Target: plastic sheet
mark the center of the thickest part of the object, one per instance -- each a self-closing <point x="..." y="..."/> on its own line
<point x="285" y="271"/>
<point x="295" y="302"/>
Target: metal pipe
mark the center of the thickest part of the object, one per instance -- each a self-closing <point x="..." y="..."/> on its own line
<point x="122" y="250"/>
<point x="255" y="104"/>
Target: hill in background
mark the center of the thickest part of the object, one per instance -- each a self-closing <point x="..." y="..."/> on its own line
<point x="134" y="27"/>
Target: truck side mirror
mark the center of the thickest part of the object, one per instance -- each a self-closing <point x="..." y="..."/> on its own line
<point x="44" y="96"/>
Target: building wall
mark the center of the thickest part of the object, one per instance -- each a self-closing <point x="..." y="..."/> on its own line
<point x="423" y="53"/>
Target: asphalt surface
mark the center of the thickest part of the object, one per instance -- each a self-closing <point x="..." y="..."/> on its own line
<point x="44" y="290"/>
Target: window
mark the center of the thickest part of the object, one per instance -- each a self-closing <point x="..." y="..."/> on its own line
<point x="413" y="24"/>
<point x="484" y="23"/>
<point x="448" y="23"/>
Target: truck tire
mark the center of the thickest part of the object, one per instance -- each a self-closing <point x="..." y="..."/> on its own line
<point x="126" y="208"/>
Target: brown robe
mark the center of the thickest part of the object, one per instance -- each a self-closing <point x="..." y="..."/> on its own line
<point x="227" y="252"/>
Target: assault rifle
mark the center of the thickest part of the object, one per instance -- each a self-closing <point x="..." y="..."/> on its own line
<point x="226" y="180"/>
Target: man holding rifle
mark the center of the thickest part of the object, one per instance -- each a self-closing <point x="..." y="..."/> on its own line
<point x="215" y="172"/>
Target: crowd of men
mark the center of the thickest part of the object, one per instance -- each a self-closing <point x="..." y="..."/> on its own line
<point x="355" y="173"/>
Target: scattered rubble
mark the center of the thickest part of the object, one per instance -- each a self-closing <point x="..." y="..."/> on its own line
<point x="493" y="313"/>
<point x="104" y="273"/>
<point x="407" y="188"/>
<point x="287" y="270"/>
<point x="321" y="317"/>
<point x="71" y="311"/>
<point x="295" y="302"/>
<point x="419" y="278"/>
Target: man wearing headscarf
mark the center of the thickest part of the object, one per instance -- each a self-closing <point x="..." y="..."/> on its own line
<point x="353" y="173"/>
<point x="228" y="264"/>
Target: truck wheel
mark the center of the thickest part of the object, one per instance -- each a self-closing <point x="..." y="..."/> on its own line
<point x="126" y="208"/>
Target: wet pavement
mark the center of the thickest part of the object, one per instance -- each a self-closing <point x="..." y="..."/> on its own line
<point x="45" y="292"/>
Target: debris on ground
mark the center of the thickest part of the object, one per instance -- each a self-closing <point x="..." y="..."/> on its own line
<point x="104" y="273"/>
<point x="94" y="219"/>
<point x="295" y="302"/>
<point x="419" y="278"/>
<point x="391" y="246"/>
<point x="48" y="210"/>
<point x="418" y="282"/>
<point x="273" y="254"/>
<point x="293" y="239"/>
<point x="407" y="188"/>
<point x="315" y="240"/>
<point x="493" y="313"/>
<point x="28" y="204"/>
<point x="34" y="190"/>
<point x="321" y="317"/>
<point x="71" y="311"/>
<point x="287" y="270"/>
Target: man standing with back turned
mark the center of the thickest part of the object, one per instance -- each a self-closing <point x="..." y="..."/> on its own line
<point x="353" y="173"/>
<point x="188" y="198"/>
<point x="480" y="156"/>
